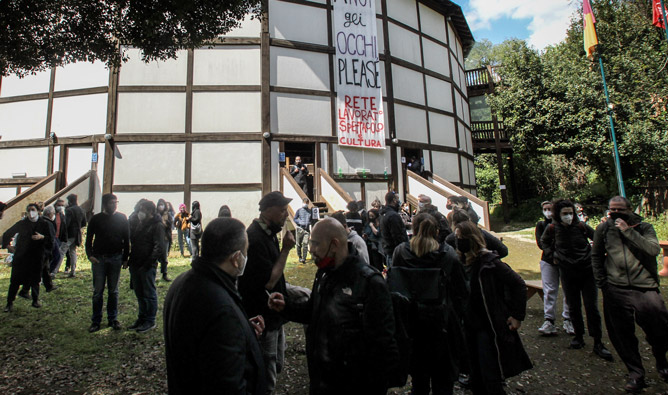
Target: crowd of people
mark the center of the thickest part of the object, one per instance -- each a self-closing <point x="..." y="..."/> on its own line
<point x="397" y="292"/>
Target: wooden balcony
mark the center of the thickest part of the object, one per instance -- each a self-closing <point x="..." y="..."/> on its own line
<point x="484" y="137"/>
<point x="482" y="80"/>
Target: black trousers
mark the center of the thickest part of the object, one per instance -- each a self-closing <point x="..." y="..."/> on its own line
<point x="14" y="289"/>
<point x="579" y="286"/>
<point x="623" y="308"/>
<point x="429" y="364"/>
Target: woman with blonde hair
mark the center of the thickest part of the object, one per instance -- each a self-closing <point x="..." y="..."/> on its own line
<point x="435" y="357"/>
<point x="495" y="310"/>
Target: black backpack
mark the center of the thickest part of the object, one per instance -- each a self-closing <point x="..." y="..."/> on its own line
<point x="419" y="298"/>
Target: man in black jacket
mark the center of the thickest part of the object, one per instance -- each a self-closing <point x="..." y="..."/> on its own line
<point x="350" y="345"/>
<point x="392" y="228"/>
<point x="147" y="247"/>
<point x="266" y="262"/>
<point x="76" y="220"/>
<point x="108" y="249"/>
<point x="425" y="206"/>
<point x="211" y="345"/>
<point x="299" y="172"/>
<point x="624" y="263"/>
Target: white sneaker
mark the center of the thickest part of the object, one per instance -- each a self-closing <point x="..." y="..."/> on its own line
<point x="568" y="327"/>
<point x="547" y="328"/>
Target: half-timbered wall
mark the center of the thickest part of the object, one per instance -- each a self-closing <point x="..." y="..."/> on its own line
<point x="191" y="128"/>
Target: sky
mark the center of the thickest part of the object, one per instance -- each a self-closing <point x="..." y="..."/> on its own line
<point x="540" y="22"/>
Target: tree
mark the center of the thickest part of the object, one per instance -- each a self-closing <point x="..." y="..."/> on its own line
<point x="553" y="103"/>
<point x="35" y="35"/>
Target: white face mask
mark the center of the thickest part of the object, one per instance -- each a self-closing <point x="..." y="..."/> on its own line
<point x="33" y="215"/>
<point x="567" y="219"/>
<point x="547" y="214"/>
<point x="305" y="205"/>
<point x="421" y="205"/>
<point x="141" y="215"/>
<point x="61" y="209"/>
<point x="161" y="207"/>
<point x="243" y="268"/>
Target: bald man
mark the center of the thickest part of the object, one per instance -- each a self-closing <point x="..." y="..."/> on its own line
<point x="350" y="344"/>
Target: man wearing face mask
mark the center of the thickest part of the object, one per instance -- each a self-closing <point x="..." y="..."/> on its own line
<point x="425" y="206"/>
<point x="392" y="228"/>
<point x="76" y="221"/>
<point x="549" y="274"/>
<point x="350" y="345"/>
<point x="211" y="345"/>
<point x="264" y="273"/>
<point x="299" y="171"/>
<point x="147" y="248"/>
<point x="303" y="221"/>
<point x="33" y="246"/>
<point x="568" y="240"/>
<point x="624" y="262"/>
<point x="108" y="249"/>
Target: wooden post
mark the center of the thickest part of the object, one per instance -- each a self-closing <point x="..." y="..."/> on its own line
<point x="502" y="178"/>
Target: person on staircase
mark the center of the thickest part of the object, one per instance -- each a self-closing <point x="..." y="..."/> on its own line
<point x="299" y="171"/>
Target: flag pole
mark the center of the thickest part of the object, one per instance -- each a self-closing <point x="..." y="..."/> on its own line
<point x="618" y="167"/>
<point x="663" y="14"/>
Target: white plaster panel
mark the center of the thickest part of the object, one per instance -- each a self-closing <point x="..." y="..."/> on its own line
<point x="404" y="44"/>
<point x="465" y="169"/>
<point x="79" y="115"/>
<point x="436" y="57"/>
<point x="7" y="193"/>
<point x="349" y="159"/>
<point x="226" y="112"/>
<point x="12" y="85"/>
<point x="466" y="112"/>
<point x="451" y="36"/>
<point x="23" y="120"/>
<point x="404" y="11"/>
<point x="274" y="165"/>
<point x="426" y="155"/>
<point x="354" y="189"/>
<point x="439" y="94"/>
<point x="250" y="27"/>
<point x="455" y="75"/>
<point x="227" y="65"/>
<point x="379" y="6"/>
<point x="301" y="114"/>
<point x="299" y="69"/>
<point x="442" y="129"/>
<point x="432" y="23"/>
<point x="297" y="22"/>
<point x="469" y="138"/>
<point x="462" y="79"/>
<point x="446" y="165"/>
<point x="383" y="81"/>
<point x="458" y="103"/>
<point x="471" y="173"/>
<point x="31" y="161"/>
<point x="411" y="123"/>
<point x="408" y="84"/>
<point x="149" y="163"/>
<point x="150" y="112"/>
<point x="380" y="35"/>
<point x="375" y="190"/>
<point x="81" y="75"/>
<point x="128" y="200"/>
<point x="79" y="161"/>
<point x="227" y="163"/>
<point x="463" y="141"/>
<point x="168" y="72"/>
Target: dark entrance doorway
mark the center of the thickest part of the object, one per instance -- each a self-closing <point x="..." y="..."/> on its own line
<point x="307" y="153"/>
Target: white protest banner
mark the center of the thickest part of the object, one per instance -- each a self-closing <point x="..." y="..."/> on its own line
<point x="359" y="99"/>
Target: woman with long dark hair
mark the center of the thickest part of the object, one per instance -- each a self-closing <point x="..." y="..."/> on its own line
<point x="435" y="356"/>
<point x="495" y="310"/>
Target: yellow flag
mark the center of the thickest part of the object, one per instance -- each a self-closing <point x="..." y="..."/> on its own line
<point x="590" y="39"/>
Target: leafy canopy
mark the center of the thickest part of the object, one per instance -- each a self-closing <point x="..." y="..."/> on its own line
<point x="35" y="35"/>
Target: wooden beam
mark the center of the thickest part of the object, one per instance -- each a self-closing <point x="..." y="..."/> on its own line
<point x="152" y="88"/>
<point x="150" y="188"/>
<point x="226" y="88"/>
<point x="6" y="182"/>
<point x="35" y="96"/>
<point x="226" y="187"/>
<point x="182" y="187"/>
<point x="109" y="148"/>
<point x="49" y="117"/>
<point x="187" y="177"/>
<point x="278" y="42"/>
<point x="301" y="91"/>
<point x="265" y="97"/>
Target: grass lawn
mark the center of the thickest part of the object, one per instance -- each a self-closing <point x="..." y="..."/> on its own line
<point x="49" y="350"/>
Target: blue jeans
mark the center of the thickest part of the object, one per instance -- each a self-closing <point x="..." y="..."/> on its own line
<point x="108" y="270"/>
<point x="184" y="234"/>
<point x="143" y="283"/>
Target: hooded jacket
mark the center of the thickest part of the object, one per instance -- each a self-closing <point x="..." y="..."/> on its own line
<point x="626" y="258"/>
<point x="546" y="256"/>
<point x="392" y="229"/>
<point x="503" y="294"/>
<point x="147" y="241"/>
<point x="569" y="244"/>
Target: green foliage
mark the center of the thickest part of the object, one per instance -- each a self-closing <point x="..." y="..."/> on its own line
<point x="660" y="226"/>
<point x="487" y="178"/>
<point x="36" y="35"/>
<point x="553" y="103"/>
